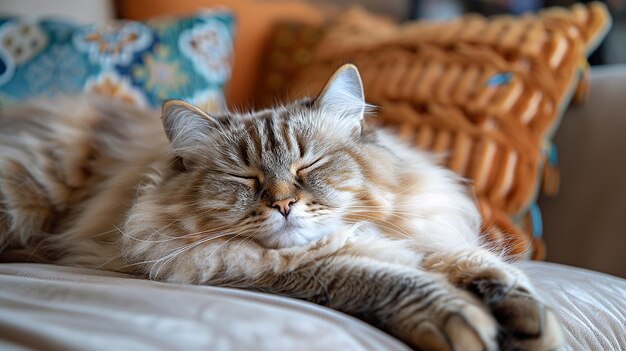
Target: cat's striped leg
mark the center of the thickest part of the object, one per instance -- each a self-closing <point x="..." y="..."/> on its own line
<point x="526" y="323"/>
<point x="421" y="308"/>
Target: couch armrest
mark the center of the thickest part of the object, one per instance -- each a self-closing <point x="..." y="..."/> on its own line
<point x="585" y="224"/>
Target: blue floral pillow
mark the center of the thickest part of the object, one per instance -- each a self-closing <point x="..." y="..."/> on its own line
<point x="141" y="63"/>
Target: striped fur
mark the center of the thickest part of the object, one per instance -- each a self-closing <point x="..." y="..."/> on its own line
<point x="304" y="200"/>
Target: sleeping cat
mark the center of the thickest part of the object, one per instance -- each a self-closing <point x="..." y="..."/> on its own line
<point x="304" y="200"/>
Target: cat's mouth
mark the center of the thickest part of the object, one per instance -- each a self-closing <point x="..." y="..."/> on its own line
<point x="295" y="230"/>
<point x="292" y="224"/>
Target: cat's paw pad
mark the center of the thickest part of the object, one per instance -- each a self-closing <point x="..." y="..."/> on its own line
<point x="471" y="329"/>
<point x="468" y="328"/>
<point x="527" y="324"/>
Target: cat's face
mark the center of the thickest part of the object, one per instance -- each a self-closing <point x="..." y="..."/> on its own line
<point x="285" y="176"/>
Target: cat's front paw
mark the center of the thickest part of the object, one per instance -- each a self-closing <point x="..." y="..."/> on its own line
<point x="526" y="323"/>
<point x="469" y="328"/>
<point x="448" y="319"/>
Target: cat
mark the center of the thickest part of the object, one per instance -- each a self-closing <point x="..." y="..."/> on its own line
<point x="306" y="200"/>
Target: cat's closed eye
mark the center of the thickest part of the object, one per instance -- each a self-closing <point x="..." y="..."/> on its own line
<point x="310" y="166"/>
<point x="247" y="179"/>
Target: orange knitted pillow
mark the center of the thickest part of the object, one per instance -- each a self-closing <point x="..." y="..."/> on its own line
<point x="486" y="92"/>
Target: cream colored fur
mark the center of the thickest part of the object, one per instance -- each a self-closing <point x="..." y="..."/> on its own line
<point x="375" y="228"/>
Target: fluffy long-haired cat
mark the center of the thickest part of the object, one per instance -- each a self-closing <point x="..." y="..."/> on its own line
<point x="304" y="200"/>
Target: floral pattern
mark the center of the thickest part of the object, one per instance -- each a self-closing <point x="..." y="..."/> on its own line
<point x="111" y="85"/>
<point x="7" y="66"/>
<point x="139" y="63"/>
<point x="160" y="73"/>
<point x="115" y="43"/>
<point x="22" y="40"/>
<point x="209" y="47"/>
<point x="56" y="71"/>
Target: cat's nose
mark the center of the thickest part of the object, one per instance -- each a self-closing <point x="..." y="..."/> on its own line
<point x="283" y="206"/>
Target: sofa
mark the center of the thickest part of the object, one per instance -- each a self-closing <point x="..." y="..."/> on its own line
<point x="62" y="308"/>
<point x="584" y="224"/>
<point x="47" y="307"/>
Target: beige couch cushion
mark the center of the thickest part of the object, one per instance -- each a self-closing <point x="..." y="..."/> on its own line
<point x="60" y="308"/>
<point x="591" y="305"/>
<point x="53" y="307"/>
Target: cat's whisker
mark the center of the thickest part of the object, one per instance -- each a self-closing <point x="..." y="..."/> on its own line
<point x="163" y="261"/>
<point x="396" y="214"/>
<point x="105" y="232"/>
<point x="388" y="225"/>
<point x="112" y="258"/>
<point x="384" y="209"/>
<point x="245" y="241"/>
<point x="177" y="251"/>
<point x="161" y="229"/>
<point x="197" y="233"/>
<point x="180" y="237"/>
<point x="388" y="208"/>
<point x="221" y="245"/>
<point x="218" y="230"/>
<point x="402" y="231"/>
<point x="377" y="210"/>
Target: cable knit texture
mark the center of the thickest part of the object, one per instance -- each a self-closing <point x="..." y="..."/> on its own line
<point x="486" y="92"/>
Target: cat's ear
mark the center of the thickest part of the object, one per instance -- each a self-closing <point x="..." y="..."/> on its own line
<point x="343" y="96"/>
<point x="185" y="126"/>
